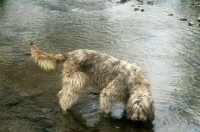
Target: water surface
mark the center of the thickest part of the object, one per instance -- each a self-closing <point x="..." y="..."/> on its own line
<point x="166" y="48"/>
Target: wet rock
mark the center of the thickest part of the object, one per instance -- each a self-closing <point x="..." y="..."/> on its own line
<point x="49" y="130"/>
<point x="46" y="110"/>
<point x="94" y="93"/>
<point x="136" y="9"/>
<point x="36" y="118"/>
<point x="196" y="3"/>
<point x="190" y="23"/>
<point x="123" y="1"/>
<point x="170" y="14"/>
<point x="183" y="19"/>
<point x="11" y="98"/>
<point x="28" y="54"/>
<point x="198" y="19"/>
<point x="142" y="10"/>
<point x="13" y="102"/>
<point x="140" y="2"/>
<point x="150" y="2"/>
<point x="32" y="94"/>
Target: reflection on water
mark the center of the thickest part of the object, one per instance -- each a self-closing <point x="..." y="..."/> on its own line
<point x="166" y="48"/>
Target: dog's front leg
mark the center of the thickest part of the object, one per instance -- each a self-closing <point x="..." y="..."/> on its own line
<point x="105" y="101"/>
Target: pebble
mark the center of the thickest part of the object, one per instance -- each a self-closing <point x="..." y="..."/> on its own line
<point x="190" y="23"/>
<point x="46" y="110"/>
<point x="183" y="19"/>
<point x="136" y="9"/>
<point x="123" y="1"/>
<point x="27" y="53"/>
<point x="196" y="3"/>
<point x="150" y="2"/>
<point x="170" y="14"/>
<point x="140" y="2"/>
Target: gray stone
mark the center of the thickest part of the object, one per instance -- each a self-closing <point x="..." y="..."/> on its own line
<point x="170" y="14"/>
<point x="190" y="23"/>
<point x="136" y="9"/>
<point x="150" y="2"/>
<point x="183" y="19"/>
<point x="46" y="110"/>
<point x="27" y="53"/>
<point x="123" y="1"/>
<point x="196" y="3"/>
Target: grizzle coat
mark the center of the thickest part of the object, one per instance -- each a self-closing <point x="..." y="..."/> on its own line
<point x="116" y="80"/>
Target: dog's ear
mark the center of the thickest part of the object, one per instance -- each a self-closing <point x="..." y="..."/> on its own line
<point x="140" y="106"/>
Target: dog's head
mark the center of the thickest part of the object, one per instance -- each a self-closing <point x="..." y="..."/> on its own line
<point x="140" y="107"/>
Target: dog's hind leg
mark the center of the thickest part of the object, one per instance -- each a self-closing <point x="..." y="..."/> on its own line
<point x="73" y="85"/>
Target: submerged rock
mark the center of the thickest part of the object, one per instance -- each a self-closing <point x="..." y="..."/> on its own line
<point x="141" y="2"/>
<point x="10" y="98"/>
<point x="198" y="19"/>
<point x="27" y="53"/>
<point x="142" y="10"/>
<point x="190" y="23"/>
<point x="170" y="14"/>
<point x="183" y="19"/>
<point x="136" y="9"/>
<point x="46" y="110"/>
<point x="123" y="1"/>
<point x="150" y="2"/>
<point x="196" y="3"/>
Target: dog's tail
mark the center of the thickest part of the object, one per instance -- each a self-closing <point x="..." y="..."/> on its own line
<point x="45" y="60"/>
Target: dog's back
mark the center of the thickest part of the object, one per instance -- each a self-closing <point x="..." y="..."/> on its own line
<point x="100" y="67"/>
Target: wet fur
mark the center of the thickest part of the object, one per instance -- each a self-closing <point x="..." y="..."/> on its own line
<point x="116" y="80"/>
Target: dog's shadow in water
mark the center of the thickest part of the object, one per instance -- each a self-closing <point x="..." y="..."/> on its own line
<point x="85" y="115"/>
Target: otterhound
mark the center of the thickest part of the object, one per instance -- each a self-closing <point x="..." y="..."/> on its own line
<point x="116" y="80"/>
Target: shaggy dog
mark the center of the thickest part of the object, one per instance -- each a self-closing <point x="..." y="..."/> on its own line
<point x="116" y="80"/>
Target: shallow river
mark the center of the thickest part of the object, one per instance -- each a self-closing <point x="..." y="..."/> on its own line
<point x="164" y="46"/>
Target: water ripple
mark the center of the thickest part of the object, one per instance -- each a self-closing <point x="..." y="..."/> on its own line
<point x="166" y="48"/>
